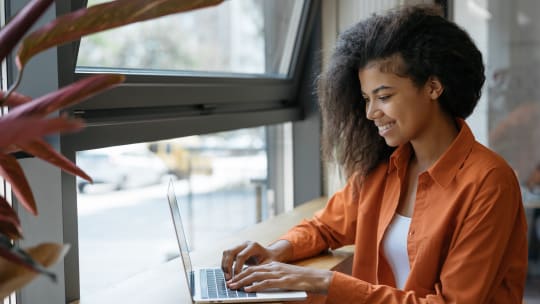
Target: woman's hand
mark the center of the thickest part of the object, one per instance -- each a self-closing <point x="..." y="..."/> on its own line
<point x="252" y="253"/>
<point x="282" y="276"/>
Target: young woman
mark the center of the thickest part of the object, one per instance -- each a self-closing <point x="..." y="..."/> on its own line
<point x="435" y="217"/>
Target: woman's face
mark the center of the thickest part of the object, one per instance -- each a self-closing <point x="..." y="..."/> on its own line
<point x="400" y="110"/>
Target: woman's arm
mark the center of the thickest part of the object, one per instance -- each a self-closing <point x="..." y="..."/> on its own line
<point x="332" y="227"/>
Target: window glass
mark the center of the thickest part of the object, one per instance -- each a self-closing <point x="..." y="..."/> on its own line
<point x="508" y="116"/>
<point x="237" y="36"/>
<point x="124" y="222"/>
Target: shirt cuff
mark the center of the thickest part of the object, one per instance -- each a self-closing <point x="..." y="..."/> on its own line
<point x="344" y="288"/>
<point x="291" y="241"/>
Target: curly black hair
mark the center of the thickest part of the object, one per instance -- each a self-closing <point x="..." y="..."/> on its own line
<point x="427" y="45"/>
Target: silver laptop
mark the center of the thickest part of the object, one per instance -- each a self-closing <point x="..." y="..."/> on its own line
<point x="207" y="285"/>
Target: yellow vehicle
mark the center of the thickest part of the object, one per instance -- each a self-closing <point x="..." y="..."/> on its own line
<point x="180" y="160"/>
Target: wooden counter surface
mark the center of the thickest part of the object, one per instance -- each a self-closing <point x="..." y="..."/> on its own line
<point x="166" y="283"/>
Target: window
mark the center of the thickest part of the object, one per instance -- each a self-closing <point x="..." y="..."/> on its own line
<point x="160" y="104"/>
<point x="249" y="36"/>
<point x="124" y="221"/>
<point x="232" y="73"/>
<point x="166" y="110"/>
<point x="507" y="118"/>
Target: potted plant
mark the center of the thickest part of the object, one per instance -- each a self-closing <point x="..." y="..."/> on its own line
<point x="29" y="119"/>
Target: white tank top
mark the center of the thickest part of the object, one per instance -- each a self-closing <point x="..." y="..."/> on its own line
<point x="395" y="248"/>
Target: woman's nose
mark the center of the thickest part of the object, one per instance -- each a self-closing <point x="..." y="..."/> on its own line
<point x="372" y="112"/>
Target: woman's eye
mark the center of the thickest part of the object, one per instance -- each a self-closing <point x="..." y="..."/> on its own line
<point x="384" y="97"/>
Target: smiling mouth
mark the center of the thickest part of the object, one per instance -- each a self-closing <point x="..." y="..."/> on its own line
<point x="385" y="127"/>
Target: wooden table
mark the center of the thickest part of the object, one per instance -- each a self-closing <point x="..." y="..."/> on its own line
<point x="166" y="284"/>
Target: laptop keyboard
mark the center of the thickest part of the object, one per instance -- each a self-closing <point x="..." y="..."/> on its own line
<point x="213" y="286"/>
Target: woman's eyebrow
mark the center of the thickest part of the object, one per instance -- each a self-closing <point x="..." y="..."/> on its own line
<point x="380" y="88"/>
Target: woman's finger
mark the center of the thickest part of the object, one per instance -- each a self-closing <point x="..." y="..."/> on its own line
<point x="251" y="252"/>
<point x="228" y="258"/>
<point x="283" y="276"/>
<point x="249" y="277"/>
<point x="265" y="285"/>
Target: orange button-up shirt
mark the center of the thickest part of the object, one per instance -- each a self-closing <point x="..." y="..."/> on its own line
<point x="467" y="240"/>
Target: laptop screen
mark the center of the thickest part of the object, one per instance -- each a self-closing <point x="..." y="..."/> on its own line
<point x="180" y="235"/>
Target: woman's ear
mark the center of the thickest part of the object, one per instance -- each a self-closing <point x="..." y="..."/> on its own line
<point x="435" y="87"/>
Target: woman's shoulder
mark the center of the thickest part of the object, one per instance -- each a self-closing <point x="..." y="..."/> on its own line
<point x="483" y="162"/>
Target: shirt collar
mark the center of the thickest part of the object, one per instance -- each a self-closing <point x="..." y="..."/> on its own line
<point x="400" y="159"/>
<point x="445" y="168"/>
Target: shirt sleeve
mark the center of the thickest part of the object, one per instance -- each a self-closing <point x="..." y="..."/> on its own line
<point x="347" y="289"/>
<point x="332" y="227"/>
<point x="477" y="260"/>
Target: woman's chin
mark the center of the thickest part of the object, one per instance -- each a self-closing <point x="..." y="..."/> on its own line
<point x="392" y="142"/>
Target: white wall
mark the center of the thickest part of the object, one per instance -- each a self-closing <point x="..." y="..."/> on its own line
<point x="474" y="16"/>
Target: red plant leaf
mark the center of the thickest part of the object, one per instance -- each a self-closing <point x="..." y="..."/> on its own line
<point x="67" y="95"/>
<point x="98" y="18"/>
<point x="16" y="131"/>
<point x="43" y="150"/>
<point x="13" y="173"/>
<point x="7" y="228"/>
<point x="19" y="25"/>
<point x="14" y="99"/>
<point x="10" y="224"/>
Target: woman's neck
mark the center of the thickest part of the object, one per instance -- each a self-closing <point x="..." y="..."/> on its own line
<point x="429" y="148"/>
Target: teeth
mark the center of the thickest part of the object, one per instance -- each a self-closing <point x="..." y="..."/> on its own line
<point x="386" y="127"/>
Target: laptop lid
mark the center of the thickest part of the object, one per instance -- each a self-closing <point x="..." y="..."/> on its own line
<point x="181" y="236"/>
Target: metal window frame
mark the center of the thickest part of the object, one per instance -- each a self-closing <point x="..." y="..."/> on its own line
<point x="177" y="100"/>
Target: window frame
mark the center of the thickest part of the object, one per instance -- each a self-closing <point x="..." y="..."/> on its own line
<point x="217" y="101"/>
<point x="197" y="87"/>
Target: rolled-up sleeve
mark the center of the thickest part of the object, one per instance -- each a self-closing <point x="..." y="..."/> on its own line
<point x="332" y="227"/>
